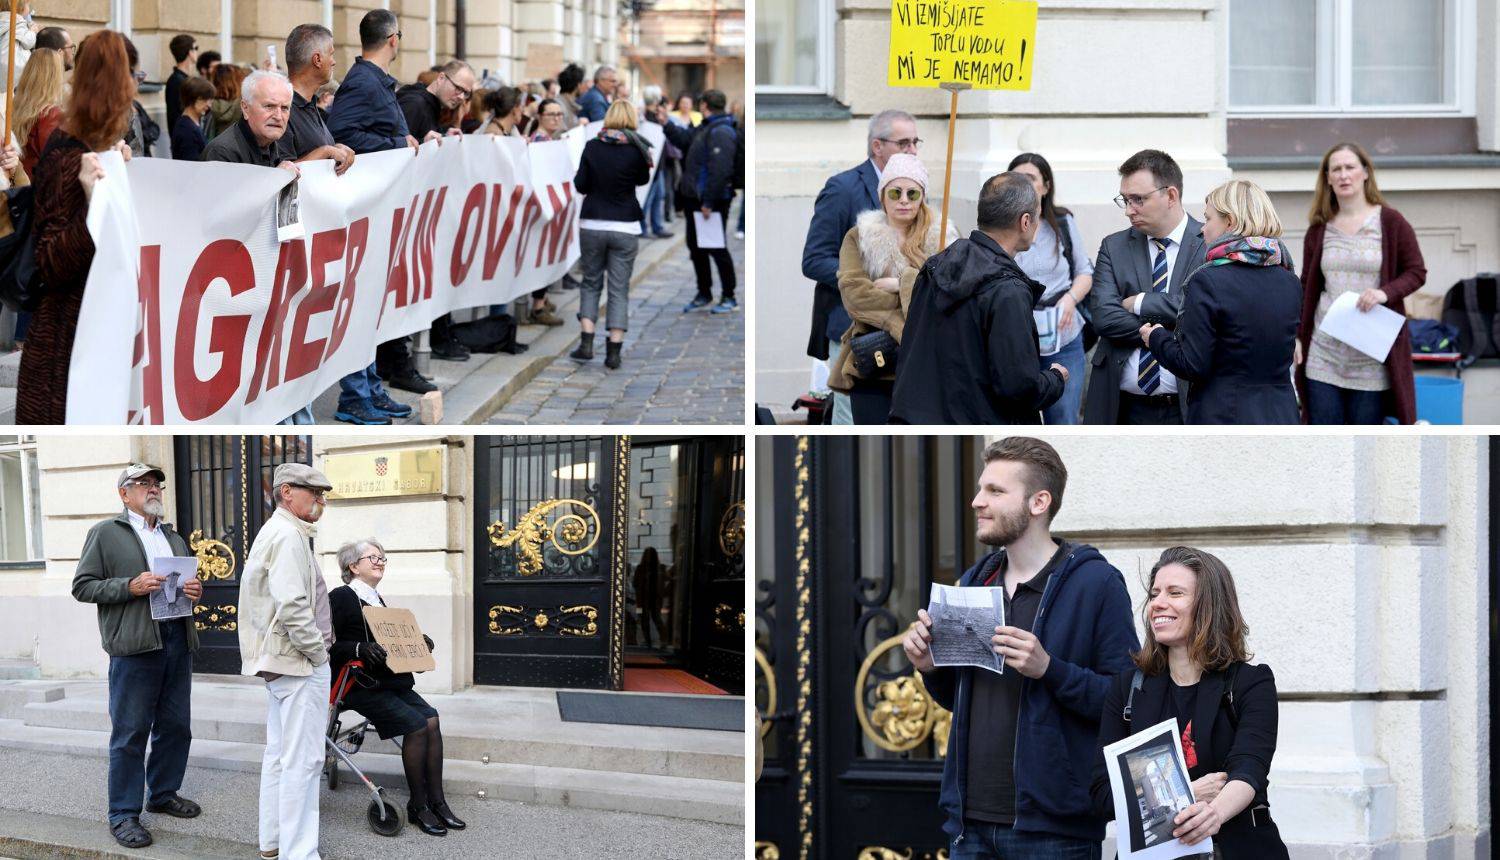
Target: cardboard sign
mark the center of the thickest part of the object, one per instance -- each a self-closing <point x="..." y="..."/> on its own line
<point x="987" y="44"/>
<point x="543" y="62"/>
<point x="397" y="631"/>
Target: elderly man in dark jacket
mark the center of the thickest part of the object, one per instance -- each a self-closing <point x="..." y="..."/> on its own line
<point x="150" y="662"/>
<point x="969" y="353"/>
<point x="707" y="186"/>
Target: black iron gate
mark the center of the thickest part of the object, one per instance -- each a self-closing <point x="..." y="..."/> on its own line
<point x="223" y="494"/>
<point x="852" y="534"/>
<point x="717" y="644"/>
<point x="549" y="569"/>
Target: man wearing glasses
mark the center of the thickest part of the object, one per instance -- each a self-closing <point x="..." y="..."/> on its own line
<point x="286" y="629"/>
<point x="842" y="199"/>
<point x="1138" y="279"/>
<point x="150" y="662"/>
<point x="593" y="104"/>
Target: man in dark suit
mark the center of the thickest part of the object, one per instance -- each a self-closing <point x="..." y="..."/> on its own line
<point x="1138" y="279"/>
<point x="842" y="199"/>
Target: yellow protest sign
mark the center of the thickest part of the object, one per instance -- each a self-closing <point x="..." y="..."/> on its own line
<point x="987" y="44"/>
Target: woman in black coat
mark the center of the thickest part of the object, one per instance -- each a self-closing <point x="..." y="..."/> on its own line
<point x="1238" y="327"/>
<point x="391" y="705"/>
<point x="1193" y="668"/>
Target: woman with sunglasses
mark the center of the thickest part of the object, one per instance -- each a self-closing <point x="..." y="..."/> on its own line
<point x="391" y="705"/>
<point x="878" y="263"/>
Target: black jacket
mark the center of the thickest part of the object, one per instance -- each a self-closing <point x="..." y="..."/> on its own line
<point x="422" y="110"/>
<point x="1239" y="743"/>
<point x="173" y="99"/>
<point x="708" y="168"/>
<point x="349" y="630"/>
<point x="607" y="176"/>
<point x="969" y="352"/>
<point x="1234" y="343"/>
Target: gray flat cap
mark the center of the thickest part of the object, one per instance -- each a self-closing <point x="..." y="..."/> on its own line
<point x="301" y="475"/>
<point x="139" y="470"/>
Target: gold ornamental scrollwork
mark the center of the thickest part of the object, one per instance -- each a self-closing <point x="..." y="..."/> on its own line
<point x="215" y="558"/>
<point x="904" y="715"/>
<point x="728" y="619"/>
<point x="570" y="534"/>
<point x="206" y="617"/>
<point x="732" y="530"/>
<point x="763" y="665"/>
<point x="767" y="851"/>
<point x="581" y="620"/>
<point x="880" y="852"/>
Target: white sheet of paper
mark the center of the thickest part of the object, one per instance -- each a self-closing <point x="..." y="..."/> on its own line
<point x="710" y="229"/>
<point x="1170" y="784"/>
<point x="171" y="602"/>
<point x="963" y="620"/>
<point x="1372" y="332"/>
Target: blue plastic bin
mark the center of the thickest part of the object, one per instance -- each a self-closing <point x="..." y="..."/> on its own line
<point x="1440" y="400"/>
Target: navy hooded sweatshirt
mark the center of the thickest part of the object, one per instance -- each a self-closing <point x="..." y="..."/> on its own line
<point x="1085" y="625"/>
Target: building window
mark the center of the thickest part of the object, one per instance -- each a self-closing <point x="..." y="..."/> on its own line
<point x="20" y="500"/>
<point x="794" y="46"/>
<point x="1351" y="56"/>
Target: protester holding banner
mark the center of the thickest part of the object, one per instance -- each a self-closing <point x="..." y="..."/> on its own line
<point x="707" y="186"/>
<point x="310" y="62"/>
<point x="256" y="139"/>
<point x="1194" y="668"/>
<point x="99" y="110"/>
<point x="391" y="705"/>
<point x="188" y="141"/>
<point x="36" y="110"/>
<point x="615" y="163"/>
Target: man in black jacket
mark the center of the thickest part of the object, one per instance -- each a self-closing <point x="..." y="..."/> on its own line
<point x="184" y="50"/>
<point x="707" y="186"/>
<point x="969" y="352"/>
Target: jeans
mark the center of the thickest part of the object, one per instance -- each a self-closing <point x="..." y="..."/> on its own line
<point x="701" y="256"/>
<point x="150" y="695"/>
<point x="656" y="199"/>
<point x="292" y="767"/>
<point x="843" y="408"/>
<point x="301" y="416"/>
<point x="1333" y="404"/>
<point x="606" y="252"/>
<point x="744" y="204"/>
<point x="1065" y="410"/>
<point x="999" y="841"/>
<point x="359" y="386"/>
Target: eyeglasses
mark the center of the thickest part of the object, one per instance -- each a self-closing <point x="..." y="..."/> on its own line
<point x="1126" y="201"/>
<point x="372" y="559"/>
<point x="466" y="93"/>
<point x="552" y="114"/>
<point x="140" y="77"/>
<point x="903" y="143"/>
<point x="316" y="493"/>
<point x="912" y="194"/>
<point x="147" y="485"/>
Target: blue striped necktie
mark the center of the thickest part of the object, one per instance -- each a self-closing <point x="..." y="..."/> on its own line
<point x="1149" y="374"/>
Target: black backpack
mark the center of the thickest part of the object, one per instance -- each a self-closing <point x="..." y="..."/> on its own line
<point x="1471" y="307"/>
<point x="20" y="283"/>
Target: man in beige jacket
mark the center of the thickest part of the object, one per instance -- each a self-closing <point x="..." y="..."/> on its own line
<point x="285" y="632"/>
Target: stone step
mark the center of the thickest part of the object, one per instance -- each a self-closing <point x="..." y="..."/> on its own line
<point x="15" y="695"/>
<point x="44" y="837"/>
<point x="713" y="800"/>
<point x="19" y="669"/>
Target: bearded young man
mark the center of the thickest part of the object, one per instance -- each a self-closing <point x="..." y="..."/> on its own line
<point x="1023" y="743"/>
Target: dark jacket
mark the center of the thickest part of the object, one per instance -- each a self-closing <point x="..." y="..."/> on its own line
<point x="1123" y="269"/>
<point x="187" y="140"/>
<point x="365" y="116"/>
<point x="843" y="198"/>
<point x="708" y="169"/>
<point x="593" y="105"/>
<point x="1239" y="745"/>
<point x="173" y="98"/>
<point x="608" y="175"/>
<point x="969" y="351"/>
<point x="1233" y="344"/>
<point x="1085" y="626"/>
<point x="112" y="556"/>
<point x="349" y="630"/>
<point x="422" y="109"/>
<point x="1402" y="272"/>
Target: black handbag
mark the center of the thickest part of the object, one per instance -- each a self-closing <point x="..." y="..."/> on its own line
<point x="874" y="353"/>
<point x="20" y="283"/>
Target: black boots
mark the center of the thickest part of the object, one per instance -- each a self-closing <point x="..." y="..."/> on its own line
<point x="612" y="354"/>
<point x="585" y="350"/>
<point x="425" y="820"/>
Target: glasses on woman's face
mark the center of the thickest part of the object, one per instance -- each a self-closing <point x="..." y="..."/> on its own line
<point x="377" y="560"/>
<point x="552" y="114"/>
<point x="912" y="194"/>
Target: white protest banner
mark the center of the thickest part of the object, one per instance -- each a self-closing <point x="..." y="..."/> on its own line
<point x="195" y="313"/>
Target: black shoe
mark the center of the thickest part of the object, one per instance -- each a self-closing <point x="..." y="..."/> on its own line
<point x="410" y="380"/>
<point x="425" y="820"/>
<point x="177" y="806"/>
<point x="451" y="821"/>
<point x="130" y="833"/>
<point x="450" y="351"/>
<point x="383" y="403"/>
<point x="585" y="350"/>
<point x="361" y="412"/>
<point x="612" y="354"/>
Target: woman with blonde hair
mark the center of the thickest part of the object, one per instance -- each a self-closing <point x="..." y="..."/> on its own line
<point x="36" y="109"/>
<point x="1358" y="244"/>
<point x="878" y="264"/>
<point x="1235" y="336"/>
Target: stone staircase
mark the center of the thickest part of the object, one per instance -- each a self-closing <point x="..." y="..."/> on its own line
<point x="507" y="742"/>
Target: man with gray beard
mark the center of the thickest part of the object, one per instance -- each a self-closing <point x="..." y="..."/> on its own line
<point x="150" y="662"/>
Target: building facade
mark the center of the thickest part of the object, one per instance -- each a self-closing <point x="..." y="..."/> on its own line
<point x="1364" y="567"/>
<point x="1254" y="89"/>
<point x="687" y="46"/>
<point x="520" y="556"/>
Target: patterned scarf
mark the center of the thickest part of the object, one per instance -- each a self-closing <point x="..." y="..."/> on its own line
<point x="623" y="136"/>
<point x="1248" y="251"/>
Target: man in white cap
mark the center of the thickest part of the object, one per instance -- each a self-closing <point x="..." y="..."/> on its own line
<point x="285" y="631"/>
<point x="150" y="661"/>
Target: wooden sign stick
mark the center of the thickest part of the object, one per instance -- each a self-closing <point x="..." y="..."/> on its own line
<point x="10" y="72"/>
<point x="953" y="88"/>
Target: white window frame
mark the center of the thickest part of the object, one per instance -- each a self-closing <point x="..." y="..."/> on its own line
<point x="1334" y="58"/>
<point x="827" y="26"/>
<point x="26" y="445"/>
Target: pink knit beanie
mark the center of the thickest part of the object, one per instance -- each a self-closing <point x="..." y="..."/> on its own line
<point x="903" y="166"/>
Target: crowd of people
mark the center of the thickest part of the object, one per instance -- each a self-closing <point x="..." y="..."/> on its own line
<point x="1174" y="321"/>
<point x="72" y="103"/>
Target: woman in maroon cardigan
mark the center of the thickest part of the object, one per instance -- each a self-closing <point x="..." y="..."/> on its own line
<point x="98" y="112"/>
<point x="1355" y="243"/>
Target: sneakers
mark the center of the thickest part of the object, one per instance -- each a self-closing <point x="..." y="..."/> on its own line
<point x="727" y="306"/>
<point x="408" y="379"/>
<point x="546" y="317"/>
<point x="361" y="412"/>
<point x="383" y="403"/>
<point x="696" y="303"/>
<point x="450" y="351"/>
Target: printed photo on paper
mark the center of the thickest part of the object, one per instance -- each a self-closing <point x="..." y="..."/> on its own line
<point x="1148" y="776"/>
<point x="169" y="601"/>
<point x="963" y="621"/>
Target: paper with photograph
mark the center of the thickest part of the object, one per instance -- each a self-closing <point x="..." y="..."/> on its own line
<point x="169" y="601"/>
<point x="963" y="621"/>
<point x="1148" y="776"/>
<point x="1372" y="332"/>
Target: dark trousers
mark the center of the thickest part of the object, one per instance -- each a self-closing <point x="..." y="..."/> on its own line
<point x="440" y="330"/>
<point x="149" y="697"/>
<point x="393" y="356"/>
<point x="870" y="401"/>
<point x="701" y="256"/>
<point x="1157" y="409"/>
<point x="1333" y="404"/>
<point x="999" y="841"/>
